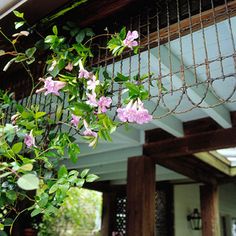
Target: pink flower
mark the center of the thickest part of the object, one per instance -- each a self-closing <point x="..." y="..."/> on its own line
<point x="75" y="120"/>
<point x="29" y="140"/>
<point x="134" y="112"/>
<point x="92" y="99"/>
<point x="84" y="74"/>
<point x="69" y="66"/>
<point x="88" y="131"/>
<point x="14" y="118"/>
<point x="130" y="39"/>
<point x="51" y="86"/>
<point x="104" y="103"/>
<point x="22" y="33"/>
<point x="92" y="83"/>
<point x="128" y="113"/>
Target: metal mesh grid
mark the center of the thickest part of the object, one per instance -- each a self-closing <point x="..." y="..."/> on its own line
<point x="187" y="51"/>
<point x="184" y="53"/>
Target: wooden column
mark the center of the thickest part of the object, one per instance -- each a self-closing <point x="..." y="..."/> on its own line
<point x="141" y="197"/>
<point x="209" y="210"/>
<point x="108" y="213"/>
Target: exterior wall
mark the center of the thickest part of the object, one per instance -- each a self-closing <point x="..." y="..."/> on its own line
<point x="227" y="197"/>
<point x="187" y="197"/>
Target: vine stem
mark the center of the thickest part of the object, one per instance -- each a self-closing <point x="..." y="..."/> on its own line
<point x="97" y="36"/>
<point x="11" y="228"/>
<point x="22" y="63"/>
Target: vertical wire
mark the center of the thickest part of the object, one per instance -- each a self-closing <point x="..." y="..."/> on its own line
<point x="208" y="72"/>
<point x="106" y="53"/>
<point x="130" y="53"/>
<point x="139" y="55"/>
<point x="217" y="38"/>
<point x="192" y="42"/>
<point x="148" y="41"/>
<point x="159" y="56"/>
<point x="169" y="49"/>
<point x="181" y="48"/>
<point x="231" y="33"/>
<point x="120" y="85"/>
<point x="92" y="58"/>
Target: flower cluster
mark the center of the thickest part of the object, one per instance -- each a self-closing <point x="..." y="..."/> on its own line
<point x="51" y="86"/>
<point x="134" y="112"/>
<point x="29" y="140"/>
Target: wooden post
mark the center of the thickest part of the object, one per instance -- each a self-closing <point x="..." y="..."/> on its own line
<point x="108" y="214"/>
<point x="209" y="210"/>
<point x="141" y="197"/>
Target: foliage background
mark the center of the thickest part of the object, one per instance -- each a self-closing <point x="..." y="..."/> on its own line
<point x="80" y="215"/>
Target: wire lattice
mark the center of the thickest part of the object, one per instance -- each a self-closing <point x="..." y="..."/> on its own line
<point x="187" y="51"/>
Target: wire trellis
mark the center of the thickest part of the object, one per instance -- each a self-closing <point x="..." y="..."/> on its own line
<point x="187" y="51"/>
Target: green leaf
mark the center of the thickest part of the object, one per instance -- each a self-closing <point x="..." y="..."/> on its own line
<point x="106" y="75"/>
<point x="8" y="221"/>
<point x="80" y="36"/>
<point x="133" y="89"/>
<point x="35" y="212"/>
<point x="91" y="178"/>
<point x="28" y="182"/>
<point x="121" y="78"/>
<point x="73" y="151"/>
<point x="51" y="210"/>
<point x="2" y="52"/>
<point x="17" y="147"/>
<point x="89" y="32"/>
<point x="84" y="173"/>
<point x="53" y="188"/>
<point x="43" y="200"/>
<point x="122" y="33"/>
<point x="62" y="172"/>
<point x="19" y="24"/>
<point x="30" y="51"/>
<point x="54" y="30"/>
<point x="80" y="182"/>
<point x="40" y="114"/>
<point x="19" y="14"/>
<point x="30" y="61"/>
<point x="27" y="167"/>
<point x="11" y="194"/>
<point x="5" y="174"/>
<point x="50" y="39"/>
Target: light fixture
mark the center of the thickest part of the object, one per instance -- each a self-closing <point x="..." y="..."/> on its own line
<point x="195" y="220"/>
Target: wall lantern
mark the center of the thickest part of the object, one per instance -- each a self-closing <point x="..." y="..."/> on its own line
<point x="195" y="220"/>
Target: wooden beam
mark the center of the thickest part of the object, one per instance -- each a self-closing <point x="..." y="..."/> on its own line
<point x="210" y="210"/>
<point x="213" y="161"/>
<point x="141" y="197"/>
<point x="206" y="141"/>
<point x="186" y="166"/>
